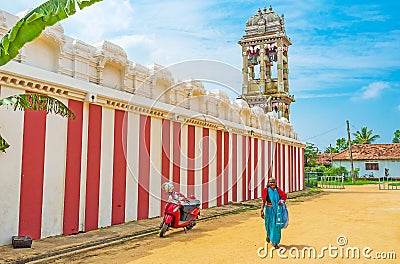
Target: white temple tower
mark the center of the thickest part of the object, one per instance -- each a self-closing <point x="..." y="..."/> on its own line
<point x="265" y="68"/>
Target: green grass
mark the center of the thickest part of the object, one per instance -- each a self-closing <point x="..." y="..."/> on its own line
<point x="359" y="182"/>
<point x="313" y="191"/>
<point x="313" y="182"/>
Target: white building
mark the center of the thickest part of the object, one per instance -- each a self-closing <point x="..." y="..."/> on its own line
<point x="372" y="159"/>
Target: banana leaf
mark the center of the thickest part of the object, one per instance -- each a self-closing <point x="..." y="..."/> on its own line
<point x="37" y="102"/>
<point x="34" y="22"/>
<point x="34" y="102"/>
<point x="3" y="144"/>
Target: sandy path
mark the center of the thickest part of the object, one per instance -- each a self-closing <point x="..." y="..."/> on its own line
<point x="366" y="216"/>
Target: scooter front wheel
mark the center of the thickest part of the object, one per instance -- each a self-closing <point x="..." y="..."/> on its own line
<point x="191" y="225"/>
<point x="163" y="229"/>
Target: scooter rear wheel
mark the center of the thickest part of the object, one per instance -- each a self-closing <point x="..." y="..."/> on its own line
<point x="163" y="229"/>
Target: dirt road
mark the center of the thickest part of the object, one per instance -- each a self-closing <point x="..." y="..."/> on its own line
<point x="362" y="216"/>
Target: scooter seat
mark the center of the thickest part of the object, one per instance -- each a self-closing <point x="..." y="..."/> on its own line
<point x="193" y="202"/>
<point x="190" y="205"/>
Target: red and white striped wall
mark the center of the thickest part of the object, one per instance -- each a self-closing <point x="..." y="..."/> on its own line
<point x="106" y="167"/>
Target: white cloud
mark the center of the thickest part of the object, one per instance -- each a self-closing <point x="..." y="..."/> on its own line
<point x="365" y="12"/>
<point x="373" y="90"/>
<point x="139" y="47"/>
<point x="100" y="21"/>
<point x="326" y="52"/>
<point x="15" y="7"/>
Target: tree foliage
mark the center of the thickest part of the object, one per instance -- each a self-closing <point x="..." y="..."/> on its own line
<point x="3" y="144"/>
<point x="25" y="30"/>
<point x="34" y="102"/>
<point x="37" y="102"/>
<point x="34" y="22"/>
<point x="396" y="138"/>
<point x="364" y="136"/>
<point x="310" y="155"/>
<point x="342" y="144"/>
<point x="336" y="171"/>
<point x="331" y="149"/>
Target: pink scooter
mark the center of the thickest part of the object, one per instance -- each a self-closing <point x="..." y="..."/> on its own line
<point x="179" y="210"/>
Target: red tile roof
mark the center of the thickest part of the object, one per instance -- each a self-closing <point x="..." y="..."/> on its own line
<point x="325" y="159"/>
<point x="371" y="152"/>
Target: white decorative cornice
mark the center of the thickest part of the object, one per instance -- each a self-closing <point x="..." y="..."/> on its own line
<point x="3" y="20"/>
<point x="107" y="46"/>
<point x="56" y="33"/>
<point x="140" y="71"/>
<point x="80" y="48"/>
<point x="158" y="72"/>
<point x="109" y="52"/>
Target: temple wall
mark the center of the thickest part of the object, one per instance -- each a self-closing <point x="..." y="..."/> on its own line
<point x="106" y="167"/>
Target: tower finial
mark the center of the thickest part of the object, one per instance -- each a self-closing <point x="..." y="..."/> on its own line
<point x="270" y="8"/>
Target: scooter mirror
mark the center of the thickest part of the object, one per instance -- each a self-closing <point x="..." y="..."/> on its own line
<point x="168" y="187"/>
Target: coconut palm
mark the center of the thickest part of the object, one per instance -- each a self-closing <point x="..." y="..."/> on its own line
<point x="364" y="136"/>
<point x="25" y="30"/>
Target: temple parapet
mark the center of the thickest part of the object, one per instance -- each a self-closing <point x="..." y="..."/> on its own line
<point x="106" y="65"/>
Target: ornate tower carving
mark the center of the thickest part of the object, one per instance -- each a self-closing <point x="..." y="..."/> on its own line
<point x="265" y="63"/>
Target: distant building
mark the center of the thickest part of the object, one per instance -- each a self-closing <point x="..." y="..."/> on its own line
<point x="372" y="159"/>
<point x="325" y="159"/>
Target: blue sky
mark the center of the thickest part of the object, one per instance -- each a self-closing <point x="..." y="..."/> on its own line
<point x="344" y="62"/>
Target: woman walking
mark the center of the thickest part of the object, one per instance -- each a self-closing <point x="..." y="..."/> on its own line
<point x="273" y="197"/>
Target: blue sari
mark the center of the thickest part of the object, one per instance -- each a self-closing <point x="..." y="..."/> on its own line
<point x="273" y="217"/>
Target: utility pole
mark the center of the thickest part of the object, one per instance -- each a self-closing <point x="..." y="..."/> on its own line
<point x="351" y="153"/>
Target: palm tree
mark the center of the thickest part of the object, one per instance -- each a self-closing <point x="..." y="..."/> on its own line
<point x="25" y="30"/>
<point x="364" y="136"/>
